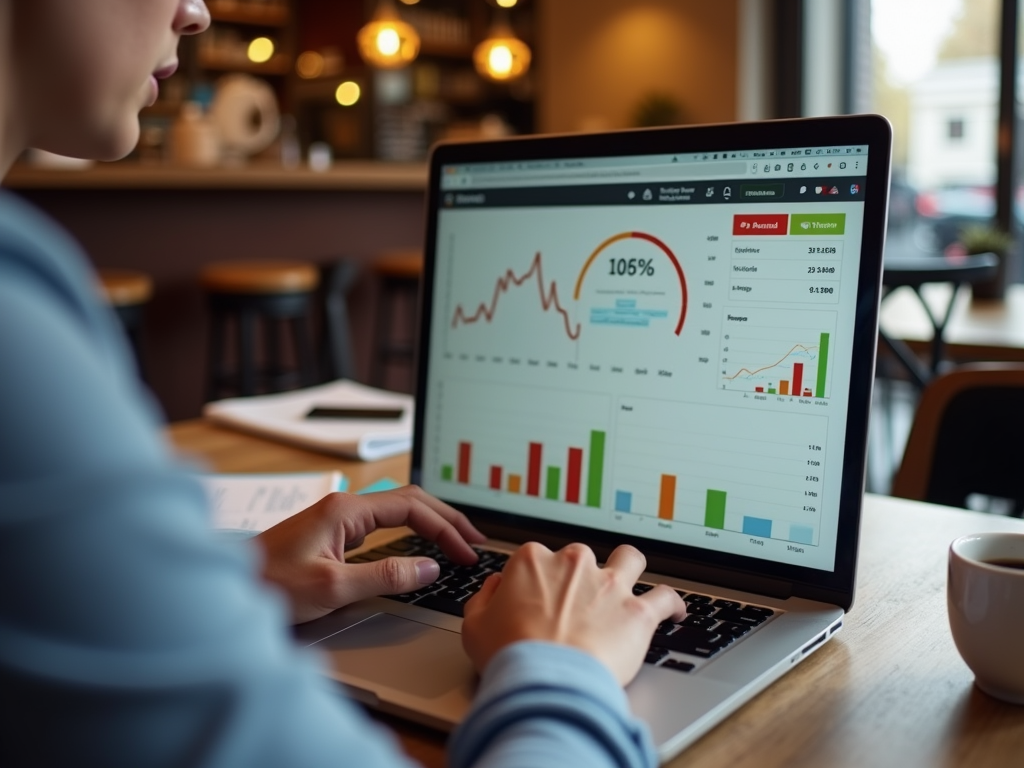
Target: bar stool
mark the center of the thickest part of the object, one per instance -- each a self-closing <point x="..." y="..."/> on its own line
<point x="399" y="274"/>
<point x="280" y="293"/>
<point x="127" y="292"/>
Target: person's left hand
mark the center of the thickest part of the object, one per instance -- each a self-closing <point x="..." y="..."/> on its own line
<point x="305" y="554"/>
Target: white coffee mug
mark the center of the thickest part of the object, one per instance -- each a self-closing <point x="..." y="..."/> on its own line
<point x="985" y="599"/>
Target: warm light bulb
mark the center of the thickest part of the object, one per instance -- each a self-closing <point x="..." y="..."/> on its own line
<point x="348" y="93"/>
<point x="502" y="56"/>
<point x="309" y="65"/>
<point x="499" y="61"/>
<point x="506" y="3"/>
<point x="387" y="41"/>
<point x="261" y="50"/>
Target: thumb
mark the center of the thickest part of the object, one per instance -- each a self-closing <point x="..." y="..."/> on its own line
<point x="390" y="576"/>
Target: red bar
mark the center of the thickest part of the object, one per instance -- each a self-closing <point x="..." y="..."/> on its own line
<point x="759" y="224"/>
<point x="533" y="470"/>
<point x="807" y="393"/>
<point x="496" y="478"/>
<point x="759" y="389"/>
<point x="572" y="480"/>
<point x="798" y="377"/>
<point x="465" y="449"/>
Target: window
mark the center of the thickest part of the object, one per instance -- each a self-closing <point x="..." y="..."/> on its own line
<point x="956" y="129"/>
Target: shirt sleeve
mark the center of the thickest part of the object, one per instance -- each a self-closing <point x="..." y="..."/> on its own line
<point x="548" y="706"/>
<point x="131" y="635"/>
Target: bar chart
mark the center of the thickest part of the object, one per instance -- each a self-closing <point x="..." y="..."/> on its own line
<point x="751" y="472"/>
<point x="778" y="351"/>
<point x="545" y="443"/>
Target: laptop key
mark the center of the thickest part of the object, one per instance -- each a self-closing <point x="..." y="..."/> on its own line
<point x="442" y="604"/>
<point x="665" y="628"/>
<point x="699" y="609"/>
<point x="679" y="666"/>
<point x="693" y="597"/>
<point x="740" y="617"/>
<point x="639" y="589"/>
<point x="755" y="610"/>
<point x="729" y="629"/>
<point x="654" y="655"/>
<point x="703" y="622"/>
<point x="726" y="604"/>
<point x="686" y="639"/>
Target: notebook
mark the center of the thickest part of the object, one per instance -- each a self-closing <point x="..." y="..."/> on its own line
<point x="662" y="337"/>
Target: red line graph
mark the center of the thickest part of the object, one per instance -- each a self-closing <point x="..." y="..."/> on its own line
<point x="548" y="299"/>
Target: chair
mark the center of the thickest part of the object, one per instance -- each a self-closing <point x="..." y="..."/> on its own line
<point x="127" y="292"/>
<point x="966" y="438"/>
<point x="399" y="274"/>
<point x="279" y="293"/>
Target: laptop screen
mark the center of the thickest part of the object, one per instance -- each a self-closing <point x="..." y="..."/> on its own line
<point x="655" y="346"/>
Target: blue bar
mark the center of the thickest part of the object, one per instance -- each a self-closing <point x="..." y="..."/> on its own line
<point x="755" y="526"/>
<point x="623" y="501"/>
<point x="801" y="534"/>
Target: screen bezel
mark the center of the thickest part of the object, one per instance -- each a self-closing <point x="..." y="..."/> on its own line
<point x="684" y="561"/>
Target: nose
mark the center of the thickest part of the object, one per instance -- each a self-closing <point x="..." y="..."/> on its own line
<point x="192" y="18"/>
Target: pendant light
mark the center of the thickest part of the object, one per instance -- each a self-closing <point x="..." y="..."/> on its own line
<point x="387" y="41"/>
<point x="502" y="57"/>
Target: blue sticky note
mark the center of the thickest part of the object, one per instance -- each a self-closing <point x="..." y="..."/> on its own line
<point x="384" y="484"/>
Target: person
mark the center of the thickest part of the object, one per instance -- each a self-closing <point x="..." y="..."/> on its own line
<point x="130" y="634"/>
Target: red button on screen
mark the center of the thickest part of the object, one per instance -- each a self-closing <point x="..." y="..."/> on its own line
<point x="760" y="224"/>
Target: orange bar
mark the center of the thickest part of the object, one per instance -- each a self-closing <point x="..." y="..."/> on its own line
<point x="783" y="387"/>
<point x="514" y="483"/>
<point x="667" y="501"/>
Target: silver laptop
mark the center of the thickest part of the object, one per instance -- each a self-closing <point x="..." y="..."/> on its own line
<point x="661" y="337"/>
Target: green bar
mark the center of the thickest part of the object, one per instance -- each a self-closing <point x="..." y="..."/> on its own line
<point x="714" y="510"/>
<point x="813" y="224"/>
<point x="822" y="365"/>
<point x="595" y="468"/>
<point x="447" y="473"/>
<point x="554" y="476"/>
<point x="771" y="390"/>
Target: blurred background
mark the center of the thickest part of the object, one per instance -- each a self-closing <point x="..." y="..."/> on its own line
<point x="299" y="129"/>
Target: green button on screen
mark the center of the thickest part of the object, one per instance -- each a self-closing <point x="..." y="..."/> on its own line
<point x="817" y="224"/>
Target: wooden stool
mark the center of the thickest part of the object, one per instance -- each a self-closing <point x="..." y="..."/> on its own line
<point x="399" y="273"/>
<point x="127" y="292"/>
<point x="279" y="293"/>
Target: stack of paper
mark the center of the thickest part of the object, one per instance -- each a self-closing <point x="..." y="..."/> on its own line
<point x="253" y="502"/>
<point x="283" y="417"/>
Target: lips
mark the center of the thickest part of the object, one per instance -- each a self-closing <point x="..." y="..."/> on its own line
<point x="164" y="72"/>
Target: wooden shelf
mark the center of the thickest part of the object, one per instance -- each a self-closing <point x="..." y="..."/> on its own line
<point x="279" y="65"/>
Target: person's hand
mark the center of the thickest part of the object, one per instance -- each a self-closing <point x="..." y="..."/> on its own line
<point x="305" y="554"/>
<point x="565" y="597"/>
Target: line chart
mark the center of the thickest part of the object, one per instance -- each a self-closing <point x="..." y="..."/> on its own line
<point x="781" y="360"/>
<point x="548" y="299"/>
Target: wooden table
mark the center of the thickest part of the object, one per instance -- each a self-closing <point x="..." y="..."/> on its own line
<point x="977" y="330"/>
<point x="889" y="690"/>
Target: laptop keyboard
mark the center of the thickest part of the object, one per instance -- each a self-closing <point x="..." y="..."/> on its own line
<point x="711" y="625"/>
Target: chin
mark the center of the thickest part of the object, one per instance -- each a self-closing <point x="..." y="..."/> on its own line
<point x="105" y="145"/>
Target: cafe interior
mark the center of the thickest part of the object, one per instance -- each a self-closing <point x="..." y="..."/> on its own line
<point x="283" y="172"/>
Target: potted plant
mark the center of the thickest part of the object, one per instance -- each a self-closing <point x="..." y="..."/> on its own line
<point x="983" y="239"/>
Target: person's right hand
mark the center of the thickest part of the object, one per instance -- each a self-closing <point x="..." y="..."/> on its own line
<point x="565" y="597"/>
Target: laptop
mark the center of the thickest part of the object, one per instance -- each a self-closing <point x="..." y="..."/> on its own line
<point x="661" y="337"/>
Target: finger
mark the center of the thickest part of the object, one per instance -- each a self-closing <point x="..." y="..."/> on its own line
<point x="462" y="524"/>
<point x="627" y="562"/>
<point x="478" y="602"/>
<point x="390" y="576"/>
<point x="406" y="507"/>
<point x="665" y="602"/>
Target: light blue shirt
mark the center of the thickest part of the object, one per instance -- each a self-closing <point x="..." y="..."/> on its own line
<point x="131" y="636"/>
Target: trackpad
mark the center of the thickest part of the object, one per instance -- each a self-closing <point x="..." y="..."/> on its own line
<point x="402" y="654"/>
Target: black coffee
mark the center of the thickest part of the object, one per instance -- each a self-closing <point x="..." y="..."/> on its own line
<point x="1007" y="562"/>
